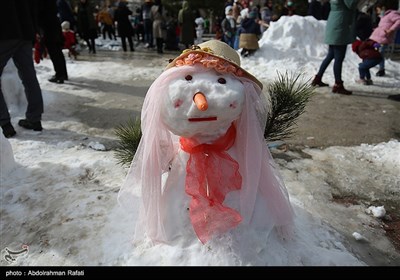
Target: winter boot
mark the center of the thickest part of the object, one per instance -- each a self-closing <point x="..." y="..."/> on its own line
<point x="36" y="126"/>
<point x="339" y="88"/>
<point x="380" y="73"/>
<point x="318" y="82"/>
<point x="8" y="130"/>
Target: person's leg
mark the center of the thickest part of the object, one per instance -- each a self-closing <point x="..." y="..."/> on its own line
<point x="7" y="47"/>
<point x="148" y="29"/>
<point x="26" y="71"/>
<point x="109" y="31"/>
<point x="92" y="40"/>
<point x="362" y="69"/>
<point x="123" y="42"/>
<point x="339" y="53"/>
<point x="370" y="63"/>
<point x="58" y="60"/>
<point x="325" y="63"/>
<point x="113" y="32"/>
<point x="382" y="50"/>
<point x="104" y="30"/>
<point x="317" y="81"/>
<point x="159" y="42"/>
<point x="130" y="43"/>
<point x="87" y="40"/>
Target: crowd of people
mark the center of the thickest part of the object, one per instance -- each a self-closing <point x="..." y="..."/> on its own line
<point x="53" y="25"/>
<point x="370" y="30"/>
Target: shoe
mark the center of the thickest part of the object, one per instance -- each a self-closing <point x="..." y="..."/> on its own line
<point x="8" y="130"/>
<point x="36" y="126"/>
<point x="339" y="89"/>
<point x="361" y="82"/>
<point x="58" y="80"/>
<point x="369" y="82"/>
<point x="380" y="73"/>
<point x="318" y="82"/>
<point x="395" y="97"/>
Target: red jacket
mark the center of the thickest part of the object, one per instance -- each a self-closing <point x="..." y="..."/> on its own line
<point x="69" y="39"/>
<point x="366" y="49"/>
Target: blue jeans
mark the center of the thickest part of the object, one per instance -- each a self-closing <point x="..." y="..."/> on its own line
<point x="365" y="65"/>
<point x="230" y="41"/>
<point x="148" y="32"/>
<point x="382" y="50"/>
<point x="337" y="52"/>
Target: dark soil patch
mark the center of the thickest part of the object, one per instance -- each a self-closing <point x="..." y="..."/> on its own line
<point x="392" y="228"/>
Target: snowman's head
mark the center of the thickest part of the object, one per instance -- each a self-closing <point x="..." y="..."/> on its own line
<point x="207" y="93"/>
<point x="201" y="102"/>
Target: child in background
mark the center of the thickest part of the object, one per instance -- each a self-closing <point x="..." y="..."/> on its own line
<point x="199" y="29"/>
<point x="368" y="51"/>
<point x="385" y="33"/>
<point x="69" y="39"/>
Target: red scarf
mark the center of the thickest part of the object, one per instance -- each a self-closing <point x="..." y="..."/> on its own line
<point x="211" y="173"/>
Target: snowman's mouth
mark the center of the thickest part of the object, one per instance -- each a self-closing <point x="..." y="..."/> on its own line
<point x="207" y="119"/>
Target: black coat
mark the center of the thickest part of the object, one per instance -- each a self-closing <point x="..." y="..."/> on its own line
<point x="121" y="16"/>
<point x="49" y="23"/>
<point x="87" y="27"/>
<point x="65" y="12"/>
<point x="18" y="20"/>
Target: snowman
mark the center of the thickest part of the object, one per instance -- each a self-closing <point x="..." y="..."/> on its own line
<point x="202" y="167"/>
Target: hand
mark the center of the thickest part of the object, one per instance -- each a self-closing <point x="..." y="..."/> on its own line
<point x="388" y="32"/>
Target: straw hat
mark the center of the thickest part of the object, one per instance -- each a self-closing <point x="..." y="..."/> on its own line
<point x="220" y="50"/>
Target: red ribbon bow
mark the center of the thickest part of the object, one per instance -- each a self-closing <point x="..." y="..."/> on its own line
<point x="211" y="173"/>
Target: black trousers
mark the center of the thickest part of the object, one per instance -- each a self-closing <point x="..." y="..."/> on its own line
<point x="130" y="41"/>
<point x="21" y="53"/>
<point x="57" y="58"/>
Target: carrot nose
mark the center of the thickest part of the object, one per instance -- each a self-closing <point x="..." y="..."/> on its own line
<point x="200" y="101"/>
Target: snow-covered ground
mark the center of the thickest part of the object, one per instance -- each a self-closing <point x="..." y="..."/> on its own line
<point x="59" y="187"/>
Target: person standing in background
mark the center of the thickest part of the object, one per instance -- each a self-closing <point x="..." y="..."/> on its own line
<point x="52" y="38"/>
<point x="249" y="34"/>
<point x="124" y="26"/>
<point x="16" y="42"/>
<point x="107" y="22"/>
<point x="228" y="26"/>
<point x="340" y="31"/>
<point x="158" y="24"/>
<point x="87" y="27"/>
<point x="147" y="23"/>
<point x="186" y="24"/>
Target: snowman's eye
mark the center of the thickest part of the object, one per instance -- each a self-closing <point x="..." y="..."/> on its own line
<point x="188" y="78"/>
<point x="222" y="81"/>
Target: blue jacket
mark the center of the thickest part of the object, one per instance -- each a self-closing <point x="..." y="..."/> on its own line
<point x="340" y="27"/>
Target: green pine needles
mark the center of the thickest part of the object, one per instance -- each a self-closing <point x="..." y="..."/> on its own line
<point x="289" y="96"/>
<point x="129" y="135"/>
